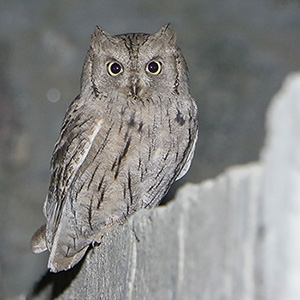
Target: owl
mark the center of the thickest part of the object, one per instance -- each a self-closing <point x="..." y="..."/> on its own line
<point x="124" y="140"/>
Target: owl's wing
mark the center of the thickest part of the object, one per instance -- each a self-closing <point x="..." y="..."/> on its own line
<point x="79" y="129"/>
<point x="192" y="138"/>
<point x="188" y="162"/>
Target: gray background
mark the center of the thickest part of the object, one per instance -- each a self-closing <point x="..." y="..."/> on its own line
<point x="238" y="53"/>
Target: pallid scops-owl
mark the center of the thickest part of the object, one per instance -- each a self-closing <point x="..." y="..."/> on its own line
<point x="124" y="140"/>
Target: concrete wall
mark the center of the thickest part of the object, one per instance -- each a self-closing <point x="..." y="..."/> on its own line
<point x="233" y="237"/>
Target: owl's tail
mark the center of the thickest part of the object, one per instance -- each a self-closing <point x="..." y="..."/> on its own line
<point x="58" y="261"/>
<point x="38" y="240"/>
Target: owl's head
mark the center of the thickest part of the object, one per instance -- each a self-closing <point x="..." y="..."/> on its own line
<point x="136" y="65"/>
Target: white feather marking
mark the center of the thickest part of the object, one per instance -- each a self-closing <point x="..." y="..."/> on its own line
<point x="89" y="145"/>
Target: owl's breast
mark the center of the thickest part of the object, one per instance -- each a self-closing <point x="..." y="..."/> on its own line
<point x="131" y="163"/>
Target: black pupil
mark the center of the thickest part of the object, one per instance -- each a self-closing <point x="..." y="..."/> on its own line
<point x="115" y="68"/>
<point x="153" y="67"/>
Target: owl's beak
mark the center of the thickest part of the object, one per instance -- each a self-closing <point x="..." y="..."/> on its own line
<point x="134" y="87"/>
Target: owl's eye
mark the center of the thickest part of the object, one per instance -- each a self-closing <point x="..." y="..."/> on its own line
<point x="153" y="67"/>
<point x="114" y="68"/>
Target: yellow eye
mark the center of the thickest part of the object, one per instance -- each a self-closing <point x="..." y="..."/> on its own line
<point x="114" y="68"/>
<point x="153" y="67"/>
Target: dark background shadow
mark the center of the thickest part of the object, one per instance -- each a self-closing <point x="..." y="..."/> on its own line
<point x="54" y="284"/>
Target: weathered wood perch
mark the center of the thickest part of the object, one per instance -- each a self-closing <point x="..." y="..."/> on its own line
<point x="233" y="237"/>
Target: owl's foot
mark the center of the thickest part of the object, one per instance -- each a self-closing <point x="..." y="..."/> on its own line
<point x="102" y="232"/>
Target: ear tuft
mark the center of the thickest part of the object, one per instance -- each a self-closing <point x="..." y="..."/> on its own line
<point x="167" y="34"/>
<point x="99" y="36"/>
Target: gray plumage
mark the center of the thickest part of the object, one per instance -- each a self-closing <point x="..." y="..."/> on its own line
<point x="124" y="140"/>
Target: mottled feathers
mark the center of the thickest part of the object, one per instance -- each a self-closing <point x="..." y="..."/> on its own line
<point x="124" y="140"/>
